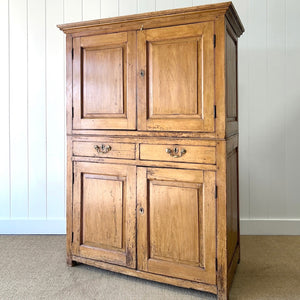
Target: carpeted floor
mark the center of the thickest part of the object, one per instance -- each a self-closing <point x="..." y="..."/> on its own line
<point x="33" y="267"/>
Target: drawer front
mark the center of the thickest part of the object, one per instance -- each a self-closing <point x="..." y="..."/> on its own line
<point x="104" y="149"/>
<point x="178" y="153"/>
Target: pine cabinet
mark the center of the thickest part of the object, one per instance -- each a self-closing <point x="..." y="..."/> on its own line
<point x="152" y="145"/>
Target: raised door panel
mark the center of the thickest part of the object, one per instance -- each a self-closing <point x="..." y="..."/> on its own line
<point x="232" y="203"/>
<point x="104" y="81"/>
<point x="104" y="212"/>
<point x="176" y="78"/>
<point x="176" y="223"/>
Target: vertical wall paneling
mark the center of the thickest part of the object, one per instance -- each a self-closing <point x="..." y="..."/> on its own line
<point x="91" y="9"/>
<point x="146" y="5"/>
<point x="243" y="94"/>
<point x="276" y="95"/>
<point x="201" y="2"/>
<point x="292" y="111"/>
<point x="55" y="108"/>
<point x="109" y="8"/>
<point x="182" y="3"/>
<point x="127" y="7"/>
<point x="36" y="109"/>
<point x="259" y="110"/>
<point x="166" y="4"/>
<point x="18" y="108"/>
<point x="32" y="84"/>
<point x="4" y="120"/>
<point x="73" y="10"/>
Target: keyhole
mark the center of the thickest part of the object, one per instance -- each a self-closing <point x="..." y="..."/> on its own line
<point x="141" y="210"/>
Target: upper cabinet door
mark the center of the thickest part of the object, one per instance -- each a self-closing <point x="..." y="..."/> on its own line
<point x="104" y="81"/>
<point x="176" y="78"/>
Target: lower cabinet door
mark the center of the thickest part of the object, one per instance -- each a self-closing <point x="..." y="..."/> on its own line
<point x="104" y="212"/>
<point x="176" y="223"/>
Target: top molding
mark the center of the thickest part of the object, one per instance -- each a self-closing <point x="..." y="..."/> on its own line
<point x="154" y="19"/>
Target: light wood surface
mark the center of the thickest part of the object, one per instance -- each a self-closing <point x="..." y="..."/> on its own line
<point x="104" y="97"/>
<point x="114" y="150"/>
<point x="153" y="174"/>
<point x="186" y="245"/>
<point x="104" y="212"/>
<point x="174" y="95"/>
<point x="194" y="154"/>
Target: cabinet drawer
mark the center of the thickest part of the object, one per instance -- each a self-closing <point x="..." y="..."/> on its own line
<point x="178" y="153"/>
<point x="104" y="149"/>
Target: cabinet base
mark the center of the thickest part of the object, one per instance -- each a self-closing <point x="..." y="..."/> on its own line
<point x="71" y="262"/>
<point x="149" y="276"/>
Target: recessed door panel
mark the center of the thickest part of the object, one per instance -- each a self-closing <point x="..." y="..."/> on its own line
<point x="176" y="223"/>
<point x="176" y="78"/>
<point x="104" y="81"/>
<point x="104" y="212"/>
<point x="171" y="78"/>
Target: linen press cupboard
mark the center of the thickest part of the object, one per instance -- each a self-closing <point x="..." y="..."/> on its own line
<point x="152" y="139"/>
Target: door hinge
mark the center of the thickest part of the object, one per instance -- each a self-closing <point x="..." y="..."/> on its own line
<point x="216" y="264"/>
<point x="216" y="192"/>
<point x="215" y="111"/>
<point x="72" y="112"/>
<point x="215" y="41"/>
<point x="72" y="53"/>
<point x="72" y="237"/>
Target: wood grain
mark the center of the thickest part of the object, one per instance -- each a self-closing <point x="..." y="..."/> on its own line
<point x="104" y="97"/>
<point x="148" y="276"/>
<point x="186" y="245"/>
<point x="117" y="150"/>
<point x="231" y="81"/>
<point x="211" y="10"/>
<point x="193" y="154"/>
<point x="104" y="212"/>
<point x="175" y="96"/>
<point x="162" y="202"/>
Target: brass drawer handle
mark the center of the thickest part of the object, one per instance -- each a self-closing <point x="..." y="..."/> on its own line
<point x="175" y="152"/>
<point x="102" y="148"/>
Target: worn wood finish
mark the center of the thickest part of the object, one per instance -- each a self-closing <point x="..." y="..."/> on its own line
<point x="210" y="288"/>
<point x="222" y="273"/>
<point x="232" y="203"/>
<point x="231" y="46"/>
<point x="186" y="153"/>
<point x="187" y="244"/>
<point x="104" y="96"/>
<point x="158" y="19"/>
<point x="104" y="212"/>
<point x="104" y="149"/>
<point x="153" y="146"/>
<point x="175" y="95"/>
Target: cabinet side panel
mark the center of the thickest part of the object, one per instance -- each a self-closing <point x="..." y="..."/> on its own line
<point x="232" y="203"/>
<point x="231" y="83"/>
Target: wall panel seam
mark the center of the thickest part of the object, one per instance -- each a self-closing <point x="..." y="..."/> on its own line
<point x="46" y="119"/>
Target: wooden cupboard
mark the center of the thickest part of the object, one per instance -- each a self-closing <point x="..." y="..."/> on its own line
<point x="152" y="142"/>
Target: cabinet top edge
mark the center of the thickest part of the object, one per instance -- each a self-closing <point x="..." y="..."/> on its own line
<point x="225" y="8"/>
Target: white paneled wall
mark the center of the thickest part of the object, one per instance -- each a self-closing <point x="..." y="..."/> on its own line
<point x="32" y="152"/>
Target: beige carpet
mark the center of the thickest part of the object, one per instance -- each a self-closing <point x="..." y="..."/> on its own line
<point x="33" y="267"/>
